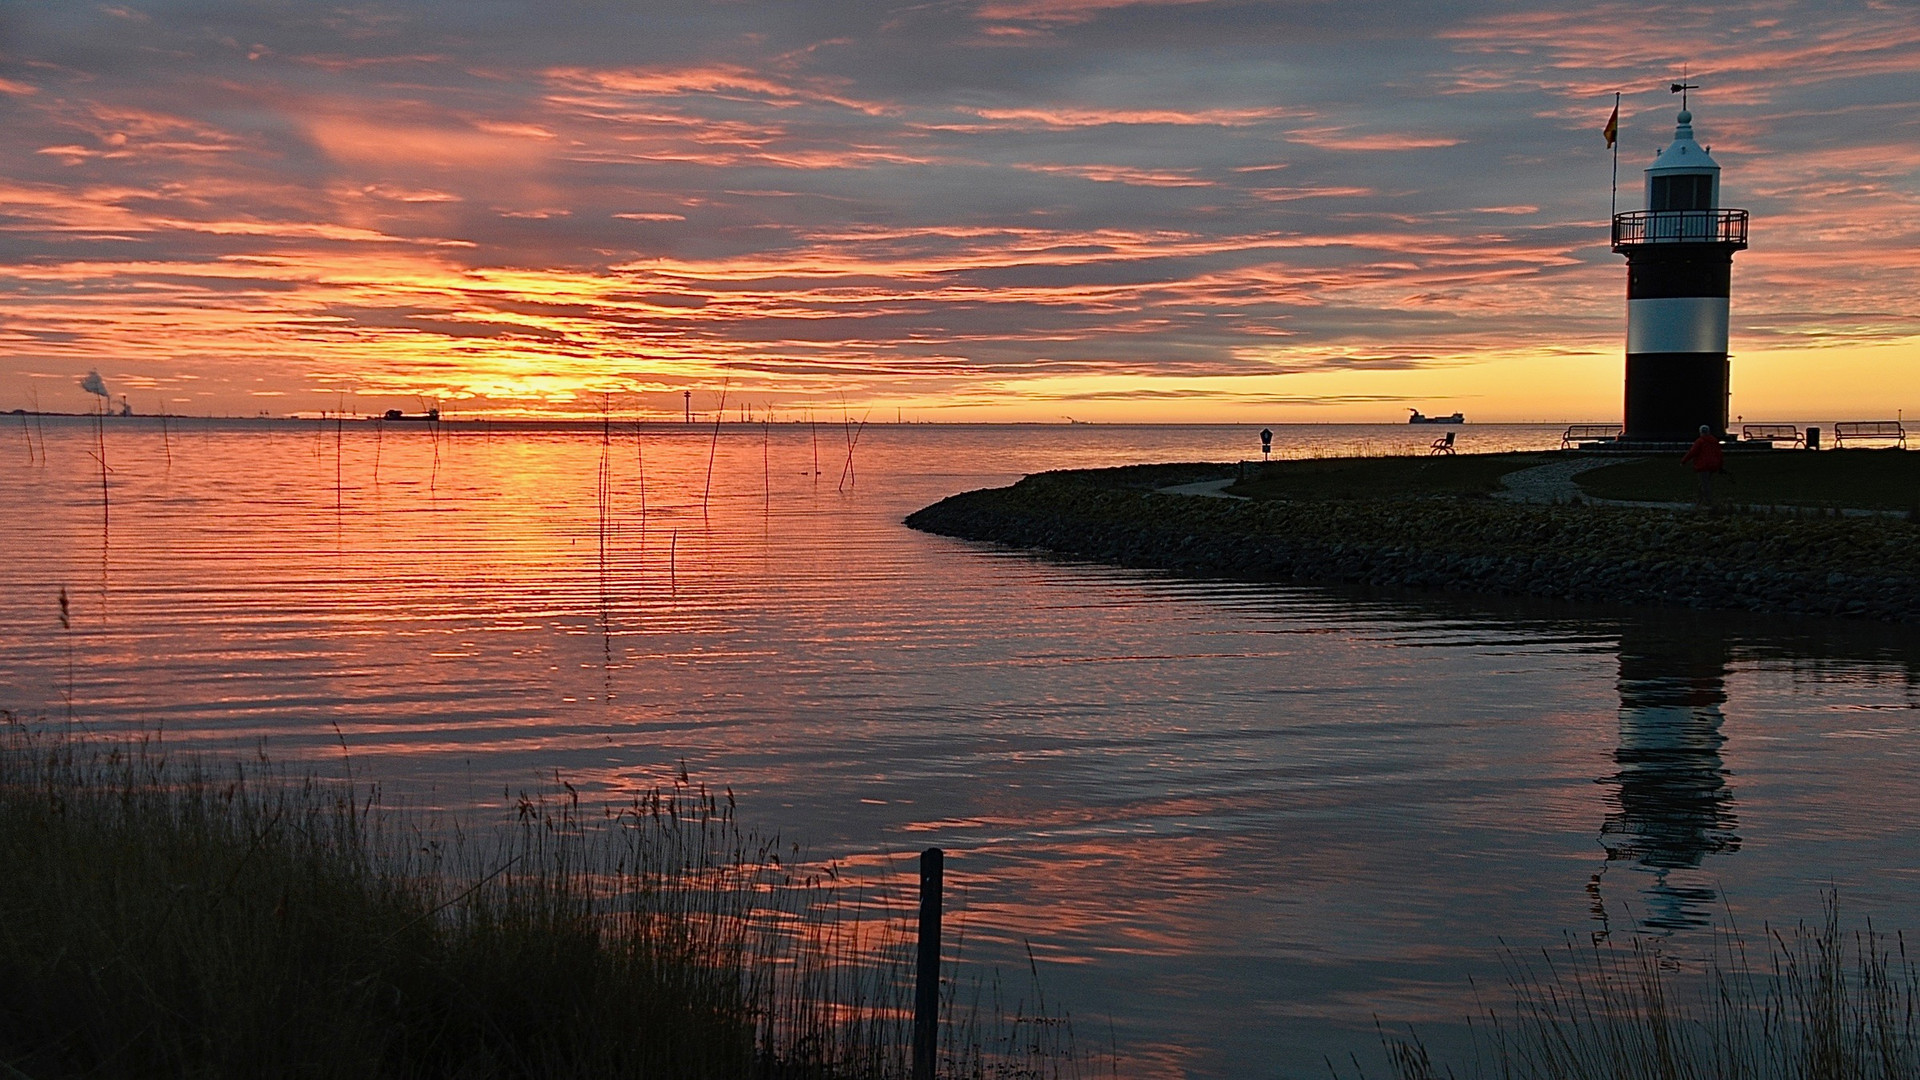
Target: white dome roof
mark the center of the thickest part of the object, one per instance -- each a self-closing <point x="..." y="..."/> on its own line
<point x="1684" y="155"/>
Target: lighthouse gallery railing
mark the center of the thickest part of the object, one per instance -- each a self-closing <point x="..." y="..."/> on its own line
<point x="1680" y="227"/>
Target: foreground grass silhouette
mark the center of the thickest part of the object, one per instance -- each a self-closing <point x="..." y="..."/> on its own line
<point x="172" y="918"/>
<point x="1810" y="1003"/>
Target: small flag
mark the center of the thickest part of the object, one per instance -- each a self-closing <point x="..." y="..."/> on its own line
<point x="1612" y="130"/>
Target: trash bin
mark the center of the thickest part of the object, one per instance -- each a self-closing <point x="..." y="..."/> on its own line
<point x="1813" y="438"/>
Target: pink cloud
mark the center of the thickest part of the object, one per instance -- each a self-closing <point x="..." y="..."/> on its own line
<point x="717" y="80"/>
<point x="1583" y="52"/>
<point x="1121" y="174"/>
<point x="1340" y="138"/>
<point x="845" y="209"/>
<point x="1063" y="12"/>
<point x="1076" y="117"/>
<point x="1292" y="194"/>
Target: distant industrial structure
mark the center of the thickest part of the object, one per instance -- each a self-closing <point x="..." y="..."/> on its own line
<point x="1679" y="279"/>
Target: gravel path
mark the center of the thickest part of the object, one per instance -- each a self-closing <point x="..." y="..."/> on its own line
<point x="1212" y="489"/>
<point x="1549" y="483"/>
<point x="1553" y="482"/>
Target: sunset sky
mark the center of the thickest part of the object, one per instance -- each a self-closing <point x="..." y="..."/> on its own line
<point x="961" y="209"/>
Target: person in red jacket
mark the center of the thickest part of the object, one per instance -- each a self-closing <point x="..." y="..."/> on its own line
<point x="1705" y="457"/>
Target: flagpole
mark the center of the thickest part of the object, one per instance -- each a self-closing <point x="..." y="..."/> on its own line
<point x="1613" y="199"/>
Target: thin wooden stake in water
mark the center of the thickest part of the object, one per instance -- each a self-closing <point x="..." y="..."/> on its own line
<point x="33" y="402"/>
<point x="433" y="430"/>
<point x="339" y="422"/>
<point x="640" y="457"/>
<point x="603" y="489"/>
<point x="100" y="455"/>
<point x="926" y="992"/>
<point x="39" y="429"/>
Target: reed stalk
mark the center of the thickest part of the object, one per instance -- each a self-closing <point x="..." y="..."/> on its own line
<point x="853" y="440"/>
<point x="99" y="455"/>
<point x="433" y="434"/>
<point x="603" y="498"/>
<point x="713" y="448"/>
<point x="640" y="462"/>
<point x="339" y="423"/>
<point x="66" y="637"/>
<point x="1823" y="1004"/>
<point x="39" y="427"/>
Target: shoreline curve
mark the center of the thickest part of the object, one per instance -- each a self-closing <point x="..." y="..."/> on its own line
<point x="1860" y="568"/>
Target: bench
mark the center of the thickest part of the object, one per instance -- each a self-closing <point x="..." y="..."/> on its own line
<point x="1579" y="433"/>
<point x="1441" y="445"/>
<point x="1868" y="429"/>
<point x="1786" y="433"/>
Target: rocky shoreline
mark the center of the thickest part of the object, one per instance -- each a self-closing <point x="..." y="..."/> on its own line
<point x="1866" y="568"/>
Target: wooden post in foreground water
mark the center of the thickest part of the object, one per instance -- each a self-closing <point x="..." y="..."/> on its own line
<point x="926" y="996"/>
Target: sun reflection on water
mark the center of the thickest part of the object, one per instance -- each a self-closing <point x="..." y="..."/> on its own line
<point x="1238" y="819"/>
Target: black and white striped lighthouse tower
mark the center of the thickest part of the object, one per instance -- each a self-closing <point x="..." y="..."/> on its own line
<point x="1679" y="273"/>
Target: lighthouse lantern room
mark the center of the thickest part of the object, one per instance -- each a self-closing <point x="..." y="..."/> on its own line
<point x="1679" y="274"/>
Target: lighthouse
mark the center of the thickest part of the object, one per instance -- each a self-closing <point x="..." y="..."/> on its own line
<point x="1679" y="275"/>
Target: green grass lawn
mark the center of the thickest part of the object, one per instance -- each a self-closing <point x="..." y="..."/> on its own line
<point x="1854" y="479"/>
<point x="1385" y="477"/>
<point x="1862" y="479"/>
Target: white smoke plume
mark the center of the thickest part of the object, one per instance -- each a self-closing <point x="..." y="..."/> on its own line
<point x="93" y="384"/>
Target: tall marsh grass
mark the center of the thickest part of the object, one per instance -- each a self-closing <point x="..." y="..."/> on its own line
<point x="1817" y="1003"/>
<point x="163" y="916"/>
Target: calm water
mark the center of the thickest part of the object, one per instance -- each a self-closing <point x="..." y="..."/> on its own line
<point x="1238" y="820"/>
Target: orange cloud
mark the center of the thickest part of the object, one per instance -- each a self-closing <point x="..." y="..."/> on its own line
<point x="376" y="201"/>
<point x="359" y="140"/>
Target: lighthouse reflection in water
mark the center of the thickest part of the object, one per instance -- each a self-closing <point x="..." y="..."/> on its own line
<point x="1671" y="806"/>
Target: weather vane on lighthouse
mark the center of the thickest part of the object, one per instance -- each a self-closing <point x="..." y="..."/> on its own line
<point x="1679" y="279"/>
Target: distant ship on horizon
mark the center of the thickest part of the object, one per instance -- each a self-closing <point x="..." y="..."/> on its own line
<point x="1419" y="417"/>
